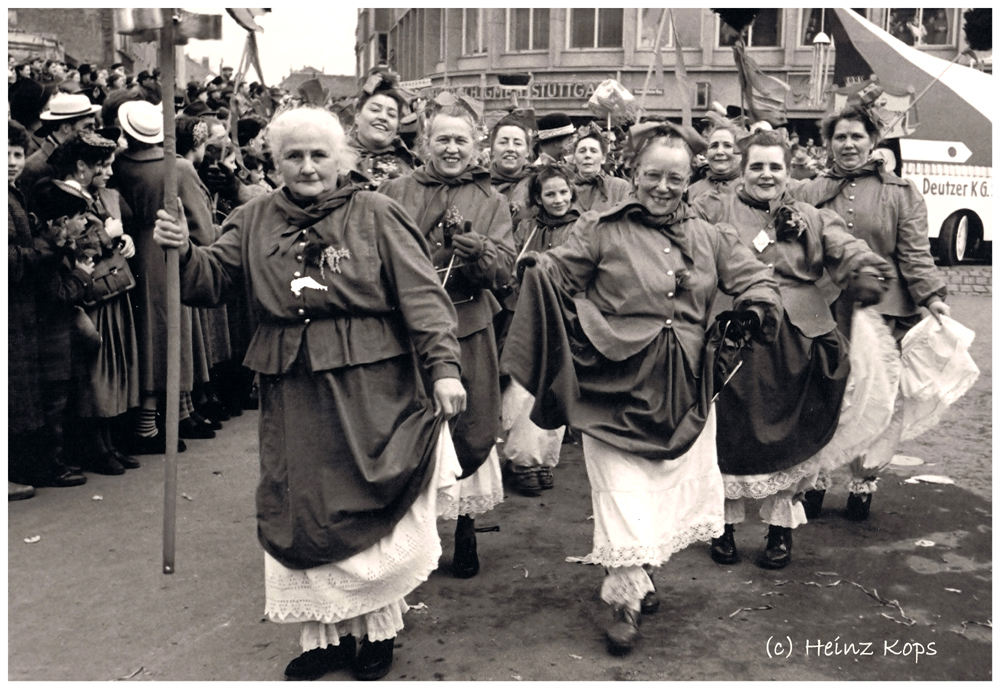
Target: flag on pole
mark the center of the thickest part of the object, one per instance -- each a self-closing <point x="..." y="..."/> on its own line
<point x="131" y="21"/>
<point x="247" y="17"/>
<point x="682" y="77"/>
<point x="764" y="94"/>
<point x="201" y="27"/>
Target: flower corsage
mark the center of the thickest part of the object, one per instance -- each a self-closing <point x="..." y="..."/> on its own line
<point x="789" y="224"/>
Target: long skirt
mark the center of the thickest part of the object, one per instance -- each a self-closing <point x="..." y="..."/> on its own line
<point x="344" y="453"/>
<point x="645" y="511"/>
<point x="783" y="405"/>
<point x="865" y="413"/>
<point x="110" y="385"/>
<point x="364" y="594"/>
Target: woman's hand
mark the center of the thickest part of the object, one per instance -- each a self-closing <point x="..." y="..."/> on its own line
<point x="939" y="308"/>
<point x="128" y="246"/>
<point x="449" y="397"/>
<point x="169" y="232"/>
<point x="113" y="227"/>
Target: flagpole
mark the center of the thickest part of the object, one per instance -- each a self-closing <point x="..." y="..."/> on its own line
<point x="649" y="72"/>
<point x="173" y="294"/>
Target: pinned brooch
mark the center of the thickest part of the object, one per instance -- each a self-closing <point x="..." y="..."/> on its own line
<point x="323" y="257"/>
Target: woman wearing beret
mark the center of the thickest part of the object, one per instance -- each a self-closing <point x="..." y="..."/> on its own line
<point x="350" y="315"/>
<point x="610" y="336"/>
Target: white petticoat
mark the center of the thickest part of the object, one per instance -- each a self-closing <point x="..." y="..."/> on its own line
<point x="364" y="593"/>
<point x="476" y="494"/>
<point x="527" y="445"/>
<point x="865" y="412"/>
<point x="645" y="511"/>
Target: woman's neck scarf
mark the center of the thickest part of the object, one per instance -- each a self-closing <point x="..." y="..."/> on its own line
<point x="439" y="202"/>
<point x="300" y="217"/>
<point x="742" y="195"/>
<point x="545" y="219"/>
<point x="503" y="180"/>
<point x="718" y="178"/>
<point x="844" y="177"/>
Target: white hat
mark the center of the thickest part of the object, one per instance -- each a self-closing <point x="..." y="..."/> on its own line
<point x="142" y="120"/>
<point x="68" y="106"/>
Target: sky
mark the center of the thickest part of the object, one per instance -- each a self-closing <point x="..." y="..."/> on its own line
<point x="294" y="36"/>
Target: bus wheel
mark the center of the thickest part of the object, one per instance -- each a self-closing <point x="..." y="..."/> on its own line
<point x="954" y="240"/>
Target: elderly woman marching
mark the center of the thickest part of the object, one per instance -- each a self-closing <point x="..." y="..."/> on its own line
<point x="610" y="336"/>
<point x="784" y="407"/>
<point x="891" y="216"/>
<point x="467" y="224"/>
<point x="345" y="296"/>
<point x="596" y="190"/>
<point x="379" y="107"/>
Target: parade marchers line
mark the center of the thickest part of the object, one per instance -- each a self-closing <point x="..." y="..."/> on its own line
<point x="88" y="601"/>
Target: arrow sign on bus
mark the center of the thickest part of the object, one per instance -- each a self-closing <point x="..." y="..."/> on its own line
<point x="934" y="151"/>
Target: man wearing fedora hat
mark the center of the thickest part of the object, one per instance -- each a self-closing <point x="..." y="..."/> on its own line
<point x="555" y="133"/>
<point x="66" y="115"/>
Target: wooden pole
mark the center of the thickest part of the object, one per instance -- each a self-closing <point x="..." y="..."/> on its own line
<point x="649" y="72"/>
<point x="173" y="295"/>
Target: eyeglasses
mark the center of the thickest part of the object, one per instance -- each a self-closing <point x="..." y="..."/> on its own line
<point x="654" y="177"/>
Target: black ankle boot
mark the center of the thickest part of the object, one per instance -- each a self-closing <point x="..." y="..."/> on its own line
<point x="724" y="548"/>
<point x="319" y="661"/>
<point x="465" y="563"/>
<point x="812" y="503"/>
<point x="651" y="601"/>
<point x="778" y="551"/>
<point x="859" y="506"/>
<point x="623" y="631"/>
<point x="374" y="659"/>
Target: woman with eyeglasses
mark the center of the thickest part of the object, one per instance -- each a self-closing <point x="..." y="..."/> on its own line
<point x="610" y="337"/>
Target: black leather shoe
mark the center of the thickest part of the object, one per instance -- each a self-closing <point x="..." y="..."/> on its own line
<point x="526" y="483"/>
<point x="106" y="465"/>
<point x="63" y="477"/>
<point x="859" y="506"/>
<point x="812" y="503"/>
<point x="465" y="563"/>
<point x="319" y="661"/>
<point x="623" y="631"/>
<point x="778" y="551"/>
<point x="18" y="491"/>
<point x="724" y="548"/>
<point x="192" y="430"/>
<point x="651" y="601"/>
<point x="126" y="461"/>
<point x="208" y="423"/>
<point x="545" y="479"/>
<point x="374" y="659"/>
<point x="214" y="410"/>
<point x="155" y="445"/>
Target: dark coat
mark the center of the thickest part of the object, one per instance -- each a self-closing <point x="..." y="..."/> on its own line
<point x="23" y="406"/>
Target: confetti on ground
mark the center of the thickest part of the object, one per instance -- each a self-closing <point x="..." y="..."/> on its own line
<point x="906" y="461"/>
<point x="524" y="568"/>
<point x="827" y="574"/>
<point x="575" y="657"/>
<point x="772" y="593"/>
<point x="929" y="478"/>
<point x="33" y="539"/>
<point x="762" y="607"/>
<point x="187" y="497"/>
<point x="97" y="498"/>
<point x="924" y="543"/>
<point x="419" y="606"/>
<point x="132" y="675"/>
<point x="953" y="590"/>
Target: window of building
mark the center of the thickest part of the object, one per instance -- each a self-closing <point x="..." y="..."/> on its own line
<point x="816" y="20"/>
<point x="703" y="94"/>
<point x="649" y="22"/>
<point x="472" y="32"/>
<point x="595" y="28"/>
<point x="527" y="29"/>
<point x="765" y="32"/>
<point x="919" y="27"/>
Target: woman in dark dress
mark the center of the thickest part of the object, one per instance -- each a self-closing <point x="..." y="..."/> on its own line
<point x="596" y="190"/>
<point x="467" y="224"/>
<point x="784" y="406"/>
<point x="352" y="451"/>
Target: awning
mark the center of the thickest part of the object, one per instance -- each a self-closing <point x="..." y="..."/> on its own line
<point x="957" y="107"/>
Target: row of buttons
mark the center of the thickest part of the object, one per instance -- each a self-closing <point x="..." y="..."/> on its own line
<point x="298" y="273"/>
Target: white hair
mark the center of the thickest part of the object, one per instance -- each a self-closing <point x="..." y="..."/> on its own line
<point x="326" y="121"/>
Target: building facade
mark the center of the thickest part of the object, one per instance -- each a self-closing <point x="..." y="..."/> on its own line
<point x="568" y="52"/>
